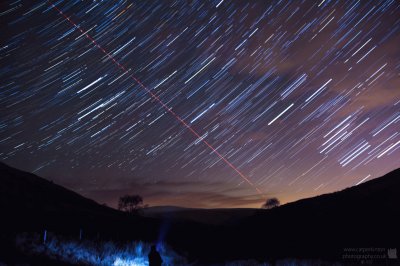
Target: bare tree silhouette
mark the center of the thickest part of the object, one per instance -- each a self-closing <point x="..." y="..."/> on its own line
<point x="271" y="203"/>
<point x="130" y="203"/>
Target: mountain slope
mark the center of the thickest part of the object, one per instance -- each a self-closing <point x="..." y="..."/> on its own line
<point x="23" y="192"/>
<point x="31" y="203"/>
<point x="367" y="215"/>
<point x="377" y="194"/>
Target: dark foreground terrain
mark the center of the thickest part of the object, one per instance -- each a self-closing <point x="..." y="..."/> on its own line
<point x="334" y="227"/>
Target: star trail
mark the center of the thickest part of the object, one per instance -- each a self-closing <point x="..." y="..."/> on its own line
<point x="201" y="103"/>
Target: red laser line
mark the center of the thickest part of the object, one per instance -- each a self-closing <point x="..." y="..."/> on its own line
<point x="155" y="97"/>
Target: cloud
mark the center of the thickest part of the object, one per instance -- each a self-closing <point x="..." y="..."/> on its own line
<point x="179" y="193"/>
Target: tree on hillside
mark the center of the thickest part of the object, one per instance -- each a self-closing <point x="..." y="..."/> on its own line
<point x="271" y="203"/>
<point x="130" y="203"/>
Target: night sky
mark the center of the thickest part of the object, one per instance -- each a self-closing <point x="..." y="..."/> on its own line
<point x="201" y="103"/>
